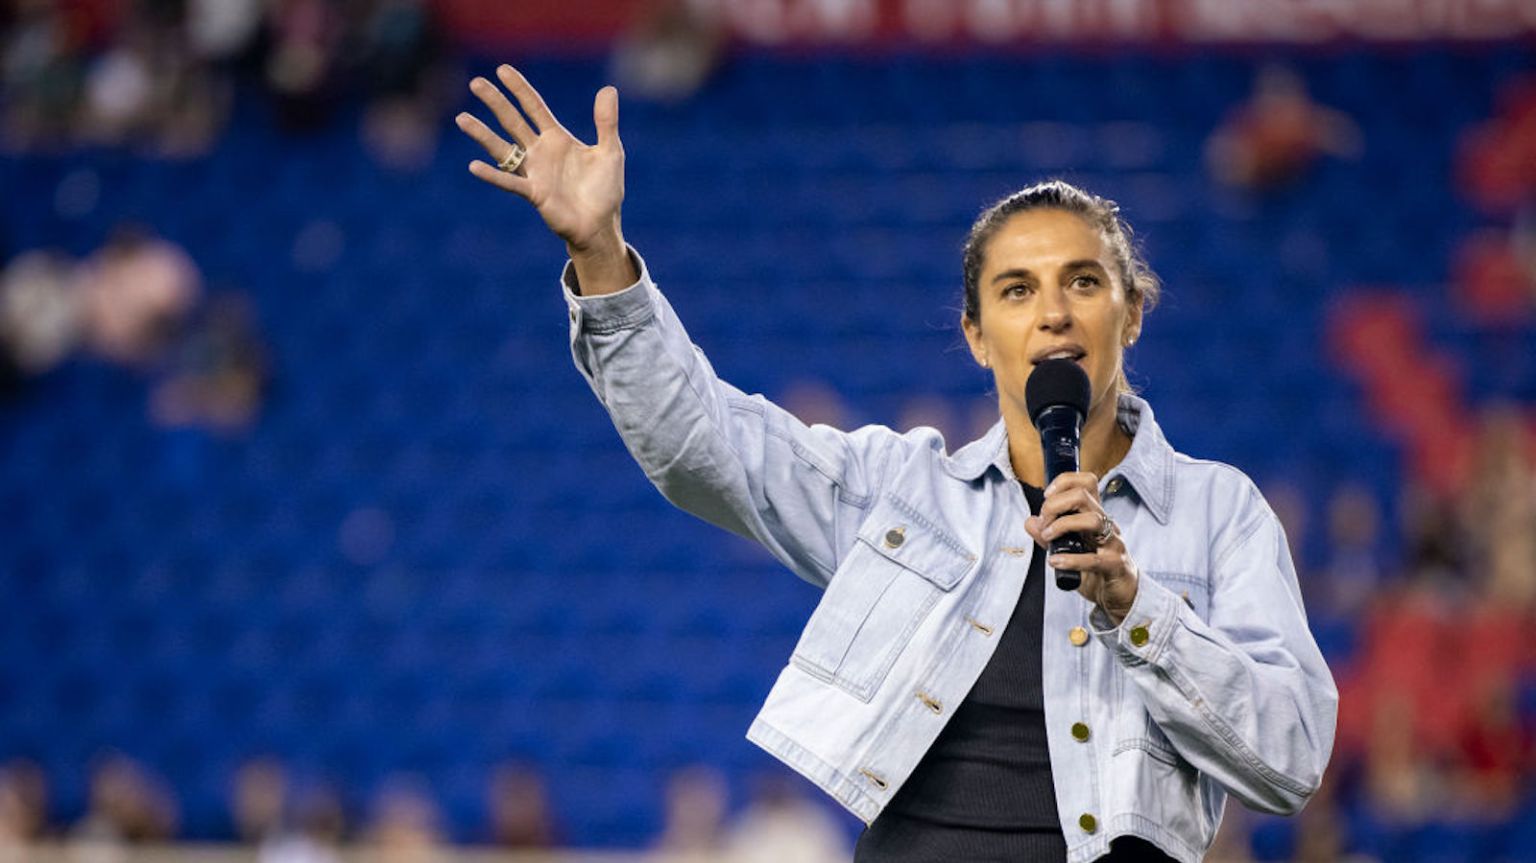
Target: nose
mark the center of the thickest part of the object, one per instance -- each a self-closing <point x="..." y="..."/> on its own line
<point x="1055" y="311"/>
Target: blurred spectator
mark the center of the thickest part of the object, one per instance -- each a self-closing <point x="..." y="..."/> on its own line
<point x="1433" y="548"/>
<point x="149" y="89"/>
<point x="1322" y="835"/>
<point x="932" y="411"/>
<point x="1494" y="283"/>
<point x="669" y="53"/>
<point x="1495" y="753"/>
<point x="1275" y="137"/>
<point x="1494" y="166"/>
<point x="405" y="826"/>
<point x="39" y="315"/>
<point x="260" y="795"/>
<point x="300" y="71"/>
<point x="120" y="89"/>
<point x="1404" y="787"/>
<point x="520" y="812"/>
<point x="813" y="403"/>
<point x="321" y="824"/>
<point x="126" y="806"/>
<point x="781" y="824"/>
<point x="136" y="295"/>
<point x="694" y="820"/>
<point x="1353" y="572"/>
<point x="217" y="373"/>
<point x="23" y="808"/>
<point x="1499" y="508"/>
<point x="1234" y="838"/>
<point x="400" y="65"/>
<point x="223" y="33"/>
<point x="41" y="75"/>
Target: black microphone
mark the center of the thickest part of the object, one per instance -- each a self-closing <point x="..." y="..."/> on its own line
<point x="1057" y="395"/>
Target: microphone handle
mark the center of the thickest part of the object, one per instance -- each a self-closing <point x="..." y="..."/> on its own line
<point x="1060" y="428"/>
<point x="1069" y="579"/>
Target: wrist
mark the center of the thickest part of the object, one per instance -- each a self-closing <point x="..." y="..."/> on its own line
<point x="605" y="243"/>
<point x="603" y="265"/>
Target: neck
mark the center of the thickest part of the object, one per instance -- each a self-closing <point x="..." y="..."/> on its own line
<point x="1104" y="443"/>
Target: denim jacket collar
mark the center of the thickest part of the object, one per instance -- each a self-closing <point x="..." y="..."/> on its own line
<point x="1148" y="466"/>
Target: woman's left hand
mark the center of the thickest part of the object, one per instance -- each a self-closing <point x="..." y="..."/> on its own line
<point x="1072" y="506"/>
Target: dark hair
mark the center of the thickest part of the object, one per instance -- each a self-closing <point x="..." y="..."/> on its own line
<point x="1141" y="284"/>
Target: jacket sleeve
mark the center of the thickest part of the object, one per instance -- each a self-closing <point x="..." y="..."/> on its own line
<point x="735" y="460"/>
<point x="1246" y="697"/>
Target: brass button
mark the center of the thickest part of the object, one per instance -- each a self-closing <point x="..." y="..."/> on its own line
<point x="1078" y="636"/>
<point x="1079" y="732"/>
<point x="895" y="537"/>
<point x="1139" y="635"/>
<point x="931" y="702"/>
<point x="1089" y="823"/>
<point x="878" y="782"/>
<point x="573" y="315"/>
<point x="1115" y="485"/>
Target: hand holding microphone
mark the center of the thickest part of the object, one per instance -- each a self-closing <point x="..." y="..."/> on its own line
<point x="1086" y="550"/>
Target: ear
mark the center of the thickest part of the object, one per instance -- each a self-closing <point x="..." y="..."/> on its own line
<point x="1132" y="330"/>
<point x="972" y="332"/>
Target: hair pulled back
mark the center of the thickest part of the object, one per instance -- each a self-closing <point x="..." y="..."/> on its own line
<point x="1140" y="283"/>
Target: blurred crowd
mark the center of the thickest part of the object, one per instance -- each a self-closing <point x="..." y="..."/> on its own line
<point x="138" y="303"/>
<point x="160" y="75"/>
<point x="1425" y="605"/>
<point x="283" y="816"/>
<point x="1429" y="625"/>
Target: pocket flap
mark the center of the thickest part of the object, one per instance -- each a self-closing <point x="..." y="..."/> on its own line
<point x="898" y="532"/>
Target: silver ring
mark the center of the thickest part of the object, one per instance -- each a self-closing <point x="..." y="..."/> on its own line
<point x="513" y="160"/>
<point x="1107" y="530"/>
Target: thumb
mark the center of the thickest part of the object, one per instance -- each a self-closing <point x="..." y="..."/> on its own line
<point x="605" y="115"/>
<point x="1032" y="527"/>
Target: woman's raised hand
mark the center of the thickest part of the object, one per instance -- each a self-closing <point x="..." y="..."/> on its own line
<point x="576" y="188"/>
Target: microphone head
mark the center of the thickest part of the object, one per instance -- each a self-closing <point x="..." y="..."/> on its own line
<point x="1057" y="382"/>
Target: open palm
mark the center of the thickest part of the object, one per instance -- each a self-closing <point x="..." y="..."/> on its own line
<point x="577" y="189"/>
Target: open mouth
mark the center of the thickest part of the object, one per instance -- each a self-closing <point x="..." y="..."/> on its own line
<point x="1064" y="352"/>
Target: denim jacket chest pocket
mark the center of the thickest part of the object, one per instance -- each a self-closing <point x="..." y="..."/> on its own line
<point x="885" y="586"/>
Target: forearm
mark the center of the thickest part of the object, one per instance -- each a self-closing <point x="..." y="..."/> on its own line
<point x="735" y="460"/>
<point x="1246" y="696"/>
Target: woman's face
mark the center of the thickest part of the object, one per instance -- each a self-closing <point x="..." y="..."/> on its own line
<point x="1049" y="287"/>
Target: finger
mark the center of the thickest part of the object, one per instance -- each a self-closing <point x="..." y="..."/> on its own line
<point x="528" y="98"/>
<point x="1064" y="502"/>
<point x="1103" y="561"/>
<point x="495" y="146"/>
<point x="1074" y="479"/>
<point x="1086" y="523"/>
<point x="1086" y="562"/>
<point x="1110" y="563"/>
<point x="605" y="115"/>
<point x="501" y="179"/>
<point x="505" y="113"/>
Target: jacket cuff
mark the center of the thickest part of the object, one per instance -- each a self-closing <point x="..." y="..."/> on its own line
<point x="1143" y="634"/>
<point x="609" y="313"/>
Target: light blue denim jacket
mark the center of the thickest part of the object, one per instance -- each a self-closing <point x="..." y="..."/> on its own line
<point x="1212" y="685"/>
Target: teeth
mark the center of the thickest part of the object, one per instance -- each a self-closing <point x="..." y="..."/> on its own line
<point x="1061" y="355"/>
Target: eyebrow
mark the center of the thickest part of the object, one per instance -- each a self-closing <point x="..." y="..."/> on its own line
<point x="1021" y="273"/>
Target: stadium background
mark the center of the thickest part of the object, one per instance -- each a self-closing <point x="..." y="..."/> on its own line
<point x="419" y="569"/>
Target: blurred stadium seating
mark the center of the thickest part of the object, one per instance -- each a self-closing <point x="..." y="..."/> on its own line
<point x="432" y="553"/>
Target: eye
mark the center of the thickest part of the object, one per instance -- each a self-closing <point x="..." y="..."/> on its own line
<point x="1085" y="281"/>
<point x="1017" y="290"/>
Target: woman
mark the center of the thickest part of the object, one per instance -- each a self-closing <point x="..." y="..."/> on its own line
<point x="941" y="691"/>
